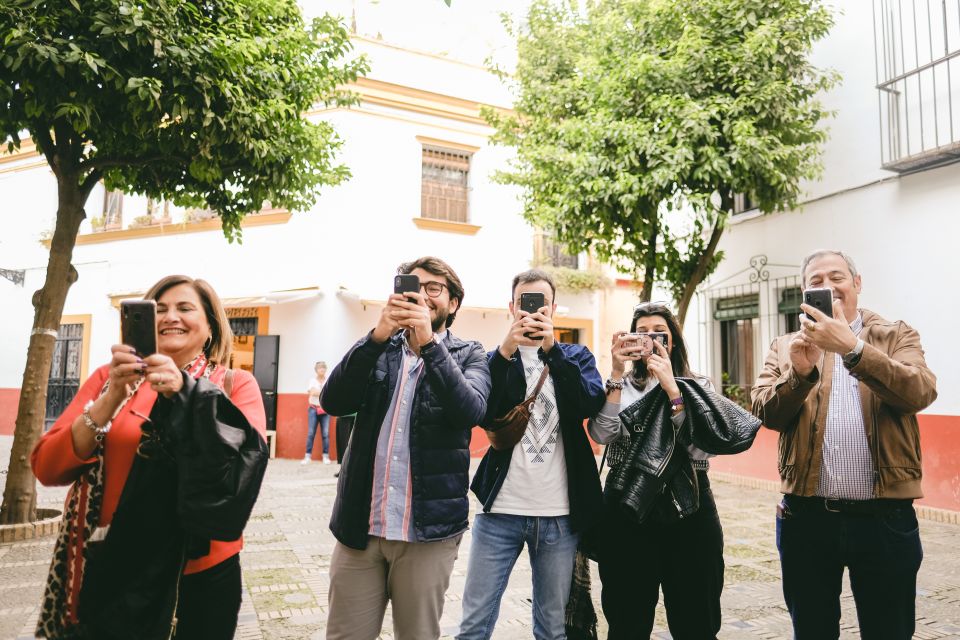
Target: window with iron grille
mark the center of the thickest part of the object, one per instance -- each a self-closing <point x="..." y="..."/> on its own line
<point x="917" y="57"/>
<point x="742" y="202"/>
<point x="444" y="184"/>
<point x="739" y="321"/>
<point x="64" y="380"/>
<point x="789" y="308"/>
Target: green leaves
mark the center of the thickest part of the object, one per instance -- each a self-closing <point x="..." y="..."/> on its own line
<point x="200" y="103"/>
<point x="632" y="116"/>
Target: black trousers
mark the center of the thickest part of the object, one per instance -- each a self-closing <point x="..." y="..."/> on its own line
<point x="882" y="551"/>
<point x="210" y="602"/>
<point x="684" y="558"/>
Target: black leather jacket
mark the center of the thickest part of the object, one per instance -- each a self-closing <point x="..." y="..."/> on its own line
<point x="657" y="462"/>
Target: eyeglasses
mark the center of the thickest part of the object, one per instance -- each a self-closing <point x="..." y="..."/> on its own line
<point x="432" y="288"/>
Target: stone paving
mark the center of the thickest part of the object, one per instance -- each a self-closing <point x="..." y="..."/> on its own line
<point x="288" y="547"/>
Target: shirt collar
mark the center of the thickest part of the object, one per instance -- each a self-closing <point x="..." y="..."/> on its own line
<point x="857" y="325"/>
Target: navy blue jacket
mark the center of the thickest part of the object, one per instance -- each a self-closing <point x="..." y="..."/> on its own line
<point x="450" y="399"/>
<point x="580" y="395"/>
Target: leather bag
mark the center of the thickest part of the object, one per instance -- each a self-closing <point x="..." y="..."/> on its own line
<point x="511" y="427"/>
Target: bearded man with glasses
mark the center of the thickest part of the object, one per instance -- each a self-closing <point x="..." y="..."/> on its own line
<point x="401" y="506"/>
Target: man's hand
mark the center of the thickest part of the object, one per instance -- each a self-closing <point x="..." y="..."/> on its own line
<point x="412" y="313"/>
<point x="516" y="336"/>
<point x="387" y="324"/>
<point x="829" y="334"/>
<point x="542" y="326"/>
<point x="804" y="354"/>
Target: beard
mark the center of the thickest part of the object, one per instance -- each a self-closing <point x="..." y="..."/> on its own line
<point x="439" y="318"/>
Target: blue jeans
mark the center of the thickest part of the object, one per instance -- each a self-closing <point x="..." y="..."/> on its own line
<point x="312" y="418"/>
<point x="495" y="545"/>
<point x="882" y="552"/>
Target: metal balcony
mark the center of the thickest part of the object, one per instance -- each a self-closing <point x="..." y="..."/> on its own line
<point x="917" y="55"/>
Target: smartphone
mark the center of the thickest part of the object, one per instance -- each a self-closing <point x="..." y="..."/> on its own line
<point x="406" y="283"/>
<point x="138" y="326"/>
<point x="531" y="302"/>
<point x="644" y="342"/>
<point x="820" y="298"/>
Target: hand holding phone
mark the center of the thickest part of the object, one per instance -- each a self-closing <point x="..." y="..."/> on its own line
<point x="138" y="326"/>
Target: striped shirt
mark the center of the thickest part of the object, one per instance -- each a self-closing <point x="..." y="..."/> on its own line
<point x="391" y="505"/>
<point x="847" y="472"/>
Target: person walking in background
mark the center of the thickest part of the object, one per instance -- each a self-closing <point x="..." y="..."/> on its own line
<point x="316" y="414"/>
<point x="844" y="393"/>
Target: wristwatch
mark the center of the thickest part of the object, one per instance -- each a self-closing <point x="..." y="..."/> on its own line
<point x="430" y="344"/>
<point x="851" y="359"/>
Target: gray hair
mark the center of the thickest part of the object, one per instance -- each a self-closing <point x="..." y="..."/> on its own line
<point x="819" y="253"/>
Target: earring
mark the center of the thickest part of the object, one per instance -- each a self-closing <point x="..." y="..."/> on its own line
<point x="207" y="344"/>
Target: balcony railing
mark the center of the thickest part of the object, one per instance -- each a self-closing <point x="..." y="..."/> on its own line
<point x="917" y="54"/>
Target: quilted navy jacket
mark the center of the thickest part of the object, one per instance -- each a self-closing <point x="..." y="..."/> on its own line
<point x="450" y="399"/>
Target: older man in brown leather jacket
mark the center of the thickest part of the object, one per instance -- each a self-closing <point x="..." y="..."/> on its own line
<point x="844" y="392"/>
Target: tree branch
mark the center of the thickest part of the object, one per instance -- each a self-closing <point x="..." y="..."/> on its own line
<point x="47" y="147"/>
<point x="90" y="182"/>
<point x="106" y="163"/>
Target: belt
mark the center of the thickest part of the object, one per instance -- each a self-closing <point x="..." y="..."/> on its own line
<point x="818" y="504"/>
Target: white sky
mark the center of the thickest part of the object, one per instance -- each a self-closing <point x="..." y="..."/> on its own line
<point x="468" y="30"/>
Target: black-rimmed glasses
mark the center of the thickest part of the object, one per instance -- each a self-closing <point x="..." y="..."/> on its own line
<point x="432" y="288"/>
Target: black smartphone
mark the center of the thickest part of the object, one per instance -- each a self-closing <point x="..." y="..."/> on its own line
<point x="821" y="298"/>
<point x="531" y="302"/>
<point x="138" y="326"/>
<point x="406" y="283"/>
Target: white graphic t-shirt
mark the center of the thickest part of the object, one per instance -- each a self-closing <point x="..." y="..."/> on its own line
<point x="536" y="483"/>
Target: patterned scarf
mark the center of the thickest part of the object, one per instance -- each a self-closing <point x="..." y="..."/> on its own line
<point x="81" y="515"/>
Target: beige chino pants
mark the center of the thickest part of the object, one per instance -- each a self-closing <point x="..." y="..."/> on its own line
<point x="414" y="576"/>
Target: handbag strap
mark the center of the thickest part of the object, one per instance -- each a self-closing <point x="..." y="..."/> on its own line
<point x="543" y="378"/>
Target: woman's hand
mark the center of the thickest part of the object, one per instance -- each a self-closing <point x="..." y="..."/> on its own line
<point x="125" y="369"/>
<point x="658" y="363"/>
<point x="163" y="375"/>
<point x="622" y="351"/>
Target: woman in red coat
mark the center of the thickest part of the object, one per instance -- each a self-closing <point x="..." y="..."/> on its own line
<point x="108" y="444"/>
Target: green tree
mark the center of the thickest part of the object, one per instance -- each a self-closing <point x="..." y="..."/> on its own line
<point x="199" y="103"/>
<point x="637" y="122"/>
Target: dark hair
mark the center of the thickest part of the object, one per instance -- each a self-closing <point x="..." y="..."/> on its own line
<point x="438" y="267"/>
<point x="221" y="337"/>
<point x="533" y="275"/>
<point x="678" y="354"/>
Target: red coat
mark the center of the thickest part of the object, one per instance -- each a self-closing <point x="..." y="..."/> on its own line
<point x="55" y="462"/>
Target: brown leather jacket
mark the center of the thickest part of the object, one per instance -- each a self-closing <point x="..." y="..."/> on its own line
<point x="895" y="384"/>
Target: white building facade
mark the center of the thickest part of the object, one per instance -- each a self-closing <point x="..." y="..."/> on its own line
<point x="889" y="197"/>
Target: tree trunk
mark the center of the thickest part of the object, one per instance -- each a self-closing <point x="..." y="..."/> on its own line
<point x="650" y="263"/>
<point x="20" y="493"/>
<point x="726" y="205"/>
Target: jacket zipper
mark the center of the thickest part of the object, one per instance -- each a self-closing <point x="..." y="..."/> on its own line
<point x="176" y="595"/>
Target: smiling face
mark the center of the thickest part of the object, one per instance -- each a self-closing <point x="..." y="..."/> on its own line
<point x="182" y="326"/>
<point x="440" y="307"/>
<point x="831" y="270"/>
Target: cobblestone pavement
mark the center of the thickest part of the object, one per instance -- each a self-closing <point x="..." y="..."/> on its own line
<point x="288" y="547"/>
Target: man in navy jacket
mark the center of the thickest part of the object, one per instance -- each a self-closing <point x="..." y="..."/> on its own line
<point x="401" y="505"/>
<point x="545" y="490"/>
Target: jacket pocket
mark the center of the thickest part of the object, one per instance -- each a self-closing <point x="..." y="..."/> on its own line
<point x="787" y="451"/>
